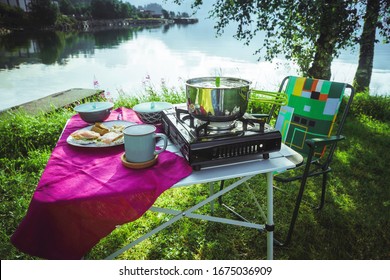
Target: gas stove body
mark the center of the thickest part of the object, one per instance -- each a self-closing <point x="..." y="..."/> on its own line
<point x="205" y="144"/>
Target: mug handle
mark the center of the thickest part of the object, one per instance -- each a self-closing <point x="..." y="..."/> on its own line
<point x="163" y="137"/>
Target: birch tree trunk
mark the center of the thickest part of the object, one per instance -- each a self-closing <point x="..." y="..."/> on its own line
<point x="326" y="42"/>
<point x="367" y="43"/>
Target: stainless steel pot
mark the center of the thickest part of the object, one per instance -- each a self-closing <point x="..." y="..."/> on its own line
<point x="217" y="99"/>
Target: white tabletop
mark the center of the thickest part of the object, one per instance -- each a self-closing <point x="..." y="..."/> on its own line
<point x="277" y="162"/>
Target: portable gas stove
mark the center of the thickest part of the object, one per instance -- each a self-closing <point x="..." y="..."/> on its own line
<point x="206" y="144"/>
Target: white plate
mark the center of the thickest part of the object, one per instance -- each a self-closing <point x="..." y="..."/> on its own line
<point x="94" y="144"/>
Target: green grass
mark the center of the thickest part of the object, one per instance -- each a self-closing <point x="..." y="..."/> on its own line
<point x="354" y="224"/>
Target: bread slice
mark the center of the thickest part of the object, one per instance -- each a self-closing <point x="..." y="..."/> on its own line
<point x="85" y="135"/>
<point x="111" y="137"/>
<point x="100" y="128"/>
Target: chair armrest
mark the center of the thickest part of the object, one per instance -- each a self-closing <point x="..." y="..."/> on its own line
<point x="317" y="142"/>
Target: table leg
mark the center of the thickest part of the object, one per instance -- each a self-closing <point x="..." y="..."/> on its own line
<point x="270" y="216"/>
<point x="182" y="214"/>
<point x="211" y="202"/>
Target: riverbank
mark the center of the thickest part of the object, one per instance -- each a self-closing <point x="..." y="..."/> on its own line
<point x="56" y="100"/>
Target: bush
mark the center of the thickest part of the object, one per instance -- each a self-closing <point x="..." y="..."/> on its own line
<point x="65" y="23"/>
<point x="378" y="107"/>
<point x="21" y="132"/>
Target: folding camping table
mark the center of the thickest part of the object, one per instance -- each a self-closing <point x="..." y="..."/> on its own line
<point x="85" y="193"/>
<point x="279" y="161"/>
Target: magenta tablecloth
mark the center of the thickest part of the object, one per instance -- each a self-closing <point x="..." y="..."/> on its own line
<point x="85" y="192"/>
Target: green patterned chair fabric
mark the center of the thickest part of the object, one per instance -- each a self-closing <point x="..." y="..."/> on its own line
<point x="310" y="113"/>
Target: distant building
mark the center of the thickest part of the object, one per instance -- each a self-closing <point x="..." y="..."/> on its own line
<point x="23" y="4"/>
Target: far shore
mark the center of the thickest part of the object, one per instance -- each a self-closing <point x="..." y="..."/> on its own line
<point x="93" y="24"/>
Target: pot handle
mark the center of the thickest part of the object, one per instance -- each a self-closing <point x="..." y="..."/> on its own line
<point x="276" y="98"/>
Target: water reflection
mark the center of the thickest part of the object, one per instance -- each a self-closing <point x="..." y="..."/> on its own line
<point x="110" y="39"/>
<point x="49" y="47"/>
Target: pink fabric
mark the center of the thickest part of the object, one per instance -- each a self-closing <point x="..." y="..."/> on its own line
<point x="85" y="192"/>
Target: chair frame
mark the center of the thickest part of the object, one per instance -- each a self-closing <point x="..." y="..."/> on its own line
<point x="320" y="168"/>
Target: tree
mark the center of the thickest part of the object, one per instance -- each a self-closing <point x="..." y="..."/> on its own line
<point x="43" y="12"/>
<point x="311" y="33"/>
<point x="66" y="7"/>
<point x="165" y="13"/>
<point x="154" y="7"/>
<point x="12" y="16"/>
<point x="111" y="9"/>
<point x="337" y="24"/>
<point x="126" y="10"/>
<point x="377" y="16"/>
<point x="103" y="9"/>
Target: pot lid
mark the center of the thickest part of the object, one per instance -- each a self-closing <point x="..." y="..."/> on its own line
<point x="151" y="107"/>
<point x="93" y="107"/>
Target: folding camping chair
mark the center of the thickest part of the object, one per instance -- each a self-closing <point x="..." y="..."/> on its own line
<point x="306" y="125"/>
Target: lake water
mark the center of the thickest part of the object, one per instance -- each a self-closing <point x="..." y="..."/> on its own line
<point x="33" y="66"/>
